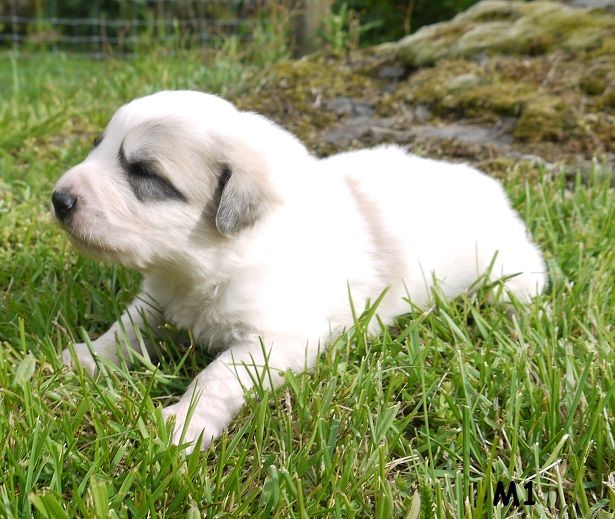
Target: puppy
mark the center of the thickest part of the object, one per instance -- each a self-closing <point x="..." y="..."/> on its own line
<point x="253" y="244"/>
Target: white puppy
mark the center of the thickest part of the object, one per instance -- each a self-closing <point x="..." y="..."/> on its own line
<point x="252" y="243"/>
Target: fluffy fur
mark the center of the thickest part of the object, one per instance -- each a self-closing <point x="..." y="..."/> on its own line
<point x="252" y="243"/>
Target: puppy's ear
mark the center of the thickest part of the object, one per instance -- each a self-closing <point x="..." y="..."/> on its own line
<point x="245" y="191"/>
<point x="241" y="202"/>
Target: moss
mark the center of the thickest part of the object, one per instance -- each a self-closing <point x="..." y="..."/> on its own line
<point x="608" y="99"/>
<point x="606" y="49"/>
<point x="466" y="89"/>
<point x="584" y="39"/>
<point x="293" y="92"/>
<point x="431" y="84"/>
<point x="465" y="82"/>
<point x="490" y="11"/>
<point x="545" y="118"/>
<point x="596" y="80"/>
<point x="544" y="95"/>
<point x="500" y="98"/>
<point x="542" y="75"/>
<point x="513" y="28"/>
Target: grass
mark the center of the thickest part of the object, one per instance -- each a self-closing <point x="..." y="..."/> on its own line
<point x="420" y="421"/>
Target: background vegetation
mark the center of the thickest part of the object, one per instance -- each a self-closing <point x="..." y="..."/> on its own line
<point x="193" y="22"/>
<point x="389" y="20"/>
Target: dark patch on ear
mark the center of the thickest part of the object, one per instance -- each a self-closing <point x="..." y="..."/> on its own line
<point x="225" y="175"/>
<point x="238" y="207"/>
<point x="97" y="140"/>
<point x="145" y="182"/>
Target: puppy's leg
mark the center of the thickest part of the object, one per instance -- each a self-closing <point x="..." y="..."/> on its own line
<point x="528" y="273"/>
<point x="217" y="394"/>
<point x="111" y="345"/>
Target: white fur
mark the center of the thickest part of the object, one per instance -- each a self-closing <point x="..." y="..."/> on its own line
<point x="366" y="219"/>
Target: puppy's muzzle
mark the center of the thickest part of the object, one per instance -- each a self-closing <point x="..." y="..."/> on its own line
<point x="63" y="203"/>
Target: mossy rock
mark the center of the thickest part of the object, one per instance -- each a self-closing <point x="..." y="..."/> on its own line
<point x="293" y="92"/>
<point x="546" y="118"/>
<point x="599" y="77"/>
<point x="507" y="27"/>
<point x="466" y="89"/>
<point x="537" y="77"/>
<point x="551" y="98"/>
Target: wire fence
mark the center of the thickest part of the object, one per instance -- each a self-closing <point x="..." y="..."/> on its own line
<point x="122" y="28"/>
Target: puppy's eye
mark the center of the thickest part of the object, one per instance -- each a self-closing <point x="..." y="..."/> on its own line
<point x="141" y="169"/>
<point x="146" y="183"/>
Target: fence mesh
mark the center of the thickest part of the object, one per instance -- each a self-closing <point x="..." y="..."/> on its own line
<point x="121" y="28"/>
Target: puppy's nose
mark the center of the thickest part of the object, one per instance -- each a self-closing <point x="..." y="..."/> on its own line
<point x="63" y="203"/>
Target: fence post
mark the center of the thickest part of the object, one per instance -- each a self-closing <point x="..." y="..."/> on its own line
<point x="311" y="15"/>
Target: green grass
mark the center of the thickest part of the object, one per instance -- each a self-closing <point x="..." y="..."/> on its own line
<point x="406" y="424"/>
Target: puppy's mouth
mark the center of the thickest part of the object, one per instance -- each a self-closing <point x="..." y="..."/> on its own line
<point x="96" y="239"/>
<point x="87" y="243"/>
<point x="89" y="246"/>
<point x="82" y="243"/>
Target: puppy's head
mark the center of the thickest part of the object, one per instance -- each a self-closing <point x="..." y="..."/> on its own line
<point x="172" y="172"/>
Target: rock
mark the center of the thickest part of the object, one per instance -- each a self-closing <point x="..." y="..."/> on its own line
<point x="470" y="133"/>
<point x="608" y="5"/>
<point x="391" y="72"/>
<point x="506" y="27"/>
<point x="502" y="84"/>
<point x="355" y="129"/>
<point x="464" y="81"/>
<point x="420" y="113"/>
<point x="350" y="107"/>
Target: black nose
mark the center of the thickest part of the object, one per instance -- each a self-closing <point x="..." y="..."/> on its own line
<point x="63" y="203"/>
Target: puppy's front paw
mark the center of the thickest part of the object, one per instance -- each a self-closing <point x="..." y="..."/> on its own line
<point x="84" y="357"/>
<point x="199" y="423"/>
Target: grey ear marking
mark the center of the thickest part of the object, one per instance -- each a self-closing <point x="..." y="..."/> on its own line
<point x="239" y="206"/>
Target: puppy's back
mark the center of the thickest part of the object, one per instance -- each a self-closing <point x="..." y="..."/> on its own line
<point x="448" y="219"/>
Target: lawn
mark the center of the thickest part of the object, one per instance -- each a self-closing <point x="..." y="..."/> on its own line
<point x="420" y="421"/>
